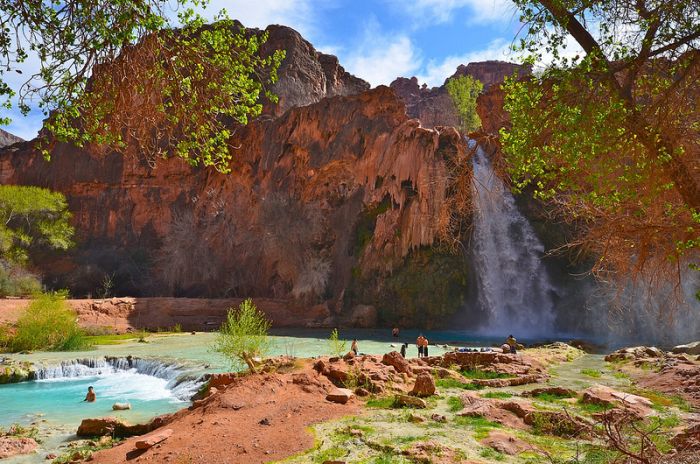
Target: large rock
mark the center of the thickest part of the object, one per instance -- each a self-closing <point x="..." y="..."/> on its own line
<point x="689" y="348"/>
<point x="112" y="426"/>
<point x="399" y="363"/>
<point x="339" y="395"/>
<point x="506" y="443"/>
<point x="688" y="439"/>
<point x="606" y="396"/>
<point x="152" y="439"/>
<point x="635" y="352"/>
<point x="424" y="386"/>
<point x="14" y="446"/>
<point x="410" y="401"/>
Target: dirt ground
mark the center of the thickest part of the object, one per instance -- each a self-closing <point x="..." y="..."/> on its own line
<point x="257" y="419"/>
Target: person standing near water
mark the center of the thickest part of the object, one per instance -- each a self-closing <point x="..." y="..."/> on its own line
<point x="90" y="397"/>
<point x="425" y="347"/>
<point x="403" y="349"/>
<point x="419" y="344"/>
<point x="353" y="347"/>
<point x="513" y="344"/>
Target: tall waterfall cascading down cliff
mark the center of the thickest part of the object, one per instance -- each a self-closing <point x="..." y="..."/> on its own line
<point x="512" y="283"/>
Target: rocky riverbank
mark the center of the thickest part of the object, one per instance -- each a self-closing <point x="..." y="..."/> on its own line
<point x="546" y="403"/>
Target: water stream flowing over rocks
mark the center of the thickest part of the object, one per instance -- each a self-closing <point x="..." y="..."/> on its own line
<point x="513" y="286"/>
<point x="183" y="381"/>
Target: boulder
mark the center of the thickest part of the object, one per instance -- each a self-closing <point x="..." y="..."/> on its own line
<point x="154" y="438"/>
<point x="606" y="396"/>
<point x="689" y="348"/>
<point x="339" y="395"/>
<point x="556" y="391"/>
<point x="424" y="386"/>
<point x="111" y="426"/>
<point x="410" y="401"/>
<point x="399" y="363"/>
<point x="15" y="446"/>
<point x="505" y="348"/>
<point x="506" y="443"/>
<point x="688" y="439"/>
<point x="121" y="406"/>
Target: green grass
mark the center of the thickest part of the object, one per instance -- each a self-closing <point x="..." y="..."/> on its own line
<point x="478" y="374"/>
<point x="47" y="324"/>
<point x="455" y="403"/>
<point x="591" y="408"/>
<point x="330" y="454"/>
<point x="112" y="339"/>
<point x="497" y="394"/>
<point x="18" y="431"/>
<point x="595" y="373"/>
<point x="550" y="397"/>
<point x="662" y="401"/>
<point x="388" y="458"/>
<point x="452" y="383"/>
<point x="384" y="402"/>
<point x="492" y="454"/>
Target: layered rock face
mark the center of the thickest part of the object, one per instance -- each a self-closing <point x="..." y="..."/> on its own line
<point x="434" y="106"/>
<point x="314" y="193"/>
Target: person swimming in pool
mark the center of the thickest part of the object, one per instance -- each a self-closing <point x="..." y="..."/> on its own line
<point x="90" y="397"/>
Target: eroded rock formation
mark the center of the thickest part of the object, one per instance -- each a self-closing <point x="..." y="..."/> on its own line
<point x="434" y="107"/>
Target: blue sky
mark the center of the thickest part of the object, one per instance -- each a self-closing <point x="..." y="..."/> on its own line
<point x="377" y="40"/>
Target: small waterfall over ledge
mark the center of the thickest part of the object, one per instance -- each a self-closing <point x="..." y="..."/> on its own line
<point x="183" y="381"/>
<point x="513" y="286"/>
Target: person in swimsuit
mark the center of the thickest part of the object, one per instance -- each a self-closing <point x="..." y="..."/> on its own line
<point x="90" y="397"/>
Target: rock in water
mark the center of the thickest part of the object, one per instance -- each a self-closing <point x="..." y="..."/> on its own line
<point x="121" y="406"/>
<point x="425" y="385"/>
<point x="153" y="438"/>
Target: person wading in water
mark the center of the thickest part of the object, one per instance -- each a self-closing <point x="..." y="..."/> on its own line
<point x="90" y="397"/>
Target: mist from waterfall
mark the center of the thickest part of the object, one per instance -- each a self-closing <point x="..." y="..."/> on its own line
<point x="512" y="283"/>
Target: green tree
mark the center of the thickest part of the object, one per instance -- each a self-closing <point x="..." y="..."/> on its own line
<point x="243" y="337"/>
<point x="464" y="91"/>
<point x="128" y="75"/>
<point x="612" y="136"/>
<point x="32" y="218"/>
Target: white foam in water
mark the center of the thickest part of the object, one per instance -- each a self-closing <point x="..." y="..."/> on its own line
<point x="136" y="377"/>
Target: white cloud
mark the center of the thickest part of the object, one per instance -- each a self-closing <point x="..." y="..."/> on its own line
<point x="297" y="14"/>
<point x="435" y="73"/>
<point x="380" y="57"/>
<point x="442" y="11"/>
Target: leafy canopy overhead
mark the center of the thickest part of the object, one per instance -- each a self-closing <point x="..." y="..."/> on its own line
<point x="133" y="76"/>
<point x="613" y="135"/>
<point x="464" y="91"/>
<point x="30" y="218"/>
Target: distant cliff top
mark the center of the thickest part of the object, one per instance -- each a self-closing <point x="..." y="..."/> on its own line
<point x="8" y="139"/>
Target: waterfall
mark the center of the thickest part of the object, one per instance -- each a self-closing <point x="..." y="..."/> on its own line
<point x="513" y="286"/>
<point x="183" y="381"/>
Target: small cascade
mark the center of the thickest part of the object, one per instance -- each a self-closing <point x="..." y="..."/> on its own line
<point x="183" y="381"/>
<point x="513" y="285"/>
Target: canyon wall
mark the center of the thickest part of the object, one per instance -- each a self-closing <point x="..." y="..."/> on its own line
<point x="434" y="107"/>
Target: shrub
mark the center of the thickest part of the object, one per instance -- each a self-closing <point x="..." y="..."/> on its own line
<point x="48" y="324"/>
<point x="336" y="345"/>
<point x="15" y="281"/>
<point x="243" y="337"/>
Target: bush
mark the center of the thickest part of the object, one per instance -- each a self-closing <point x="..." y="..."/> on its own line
<point x="336" y="345"/>
<point x="243" y="337"/>
<point x="15" y="281"/>
<point x="47" y="324"/>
